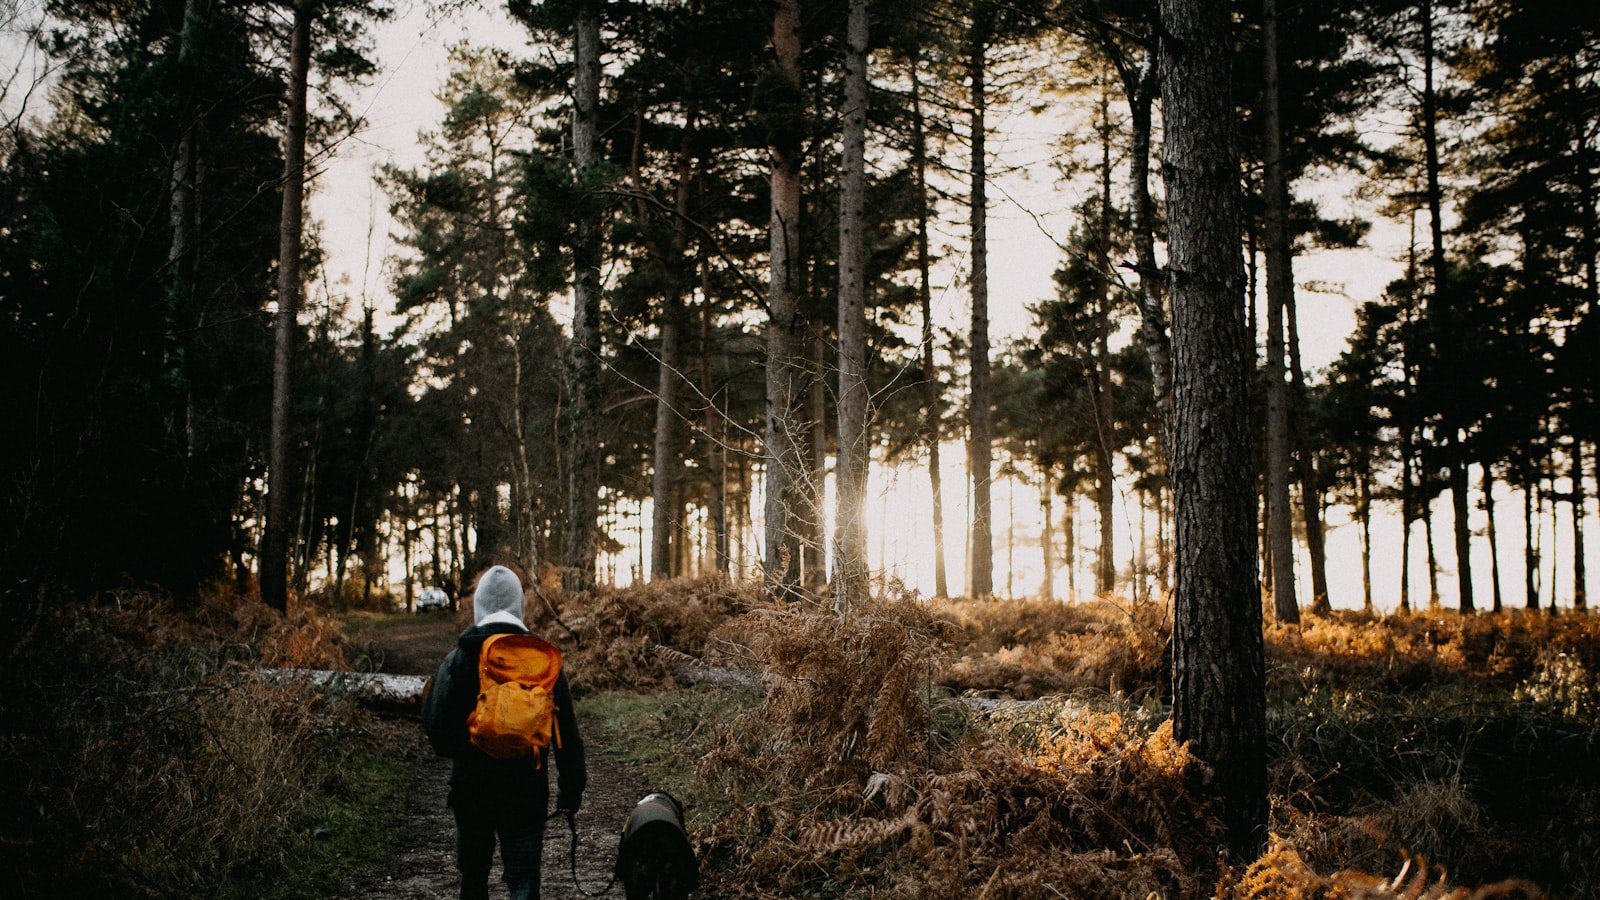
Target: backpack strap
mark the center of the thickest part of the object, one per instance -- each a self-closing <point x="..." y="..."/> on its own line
<point x="483" y="660"/>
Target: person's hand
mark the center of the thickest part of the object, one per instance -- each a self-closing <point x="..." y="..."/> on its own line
<point x="567" y="806"/>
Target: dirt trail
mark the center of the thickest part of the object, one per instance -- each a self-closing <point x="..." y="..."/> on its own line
<point x="423" y="867"/>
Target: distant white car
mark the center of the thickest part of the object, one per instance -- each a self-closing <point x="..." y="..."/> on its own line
<point x="433" y="598"/>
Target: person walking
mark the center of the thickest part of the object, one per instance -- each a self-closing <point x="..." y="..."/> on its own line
<point x="499" y="709"/>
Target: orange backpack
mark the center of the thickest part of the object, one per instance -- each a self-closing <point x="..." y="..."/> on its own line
<point x="516" y="712"/>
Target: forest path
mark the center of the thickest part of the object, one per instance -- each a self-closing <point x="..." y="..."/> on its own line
<point x="423" y="866"/>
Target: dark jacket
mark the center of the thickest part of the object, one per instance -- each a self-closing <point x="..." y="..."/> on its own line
<point x="477" y="778"/>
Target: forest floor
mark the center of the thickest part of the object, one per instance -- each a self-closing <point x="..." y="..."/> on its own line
<point x="423" y="866"/>
<point x="886" y="753"/>
<point x="863" y="761"/>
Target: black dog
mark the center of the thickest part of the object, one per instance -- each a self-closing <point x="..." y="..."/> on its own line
<point x="655" y="860"/>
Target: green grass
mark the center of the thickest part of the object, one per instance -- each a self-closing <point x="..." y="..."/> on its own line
<point x="663" y="734"/>
<point x="353" y="829"/>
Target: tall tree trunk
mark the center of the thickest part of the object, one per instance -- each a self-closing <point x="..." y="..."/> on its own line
<point x="181" y="216"/>
<point x="1011" y="538"/>
<point x="668" y="450"/>
<point x="716" y="435"/>
<point x="1306" y="468"/>
<point x="1494" y="544"/>
<point x="1440" y="319"/>
<point x="1364" y="484"/>
<point x="1047" y="540"/>
<point x="458" y="542"/>
<point x="1071" y="529"/>
<point x="1106" y="582"/>
<point x="663" y="481"/>
<point x="407" y="538"/>
<point x="1409" y="488"/>
<point x="1463" y="528"/>
<point x="582" y="411"/>
<point x="1141" y="564"/>
<point x="1280" y="291"/>
<point x="1218" y="672"/>
<point x="1253" y="311"/>
<point x="785" y="327"/>
<point x="275" y="538"/>
<point x="528" y="539"/>
<point x="1406" y="519"/>
<point x="1140" y="88"/>
<point x="933" y="402"/>
<point x="850" y="548"/>
<point x="1580" y="509"/>
<point x="1433" y="556"/>
<point x="814" y="484"/>
<point x="1547" y="509"/>
<point x="980" y="566"/>
<point x="683" y="544"/>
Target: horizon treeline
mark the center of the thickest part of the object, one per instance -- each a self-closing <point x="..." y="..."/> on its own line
<point x="670" y="271"/>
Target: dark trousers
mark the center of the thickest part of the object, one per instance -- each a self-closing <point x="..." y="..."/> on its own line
<point x="520" y="829"/>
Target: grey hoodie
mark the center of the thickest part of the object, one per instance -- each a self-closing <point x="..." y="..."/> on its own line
<point x="498" y="598"/>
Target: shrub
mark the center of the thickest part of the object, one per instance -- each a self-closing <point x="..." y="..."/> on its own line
<point x="1030" y="649"/>
<point x="621" y="635"/>
<point x="143" y="756"/>
<point x="852" y="778"/>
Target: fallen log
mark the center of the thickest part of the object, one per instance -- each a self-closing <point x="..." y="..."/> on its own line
<point x="402" y="693"/>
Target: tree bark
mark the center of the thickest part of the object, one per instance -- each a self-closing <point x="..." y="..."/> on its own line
<point x="933" y="401"/>
<point x="1071" y="528"/>
<point x="1153" y="329"/>
<point x="1306" y="468"/>
<point x="407" y="536"/>
<point x="275" y="538"/>
<point x="668" y="450"/>
<point x="785" y="327"/>
<point x="815" y="542"/>
<point x="1409" y="482"/>
<point x="1104" y="421"/>
<point x="980" y="459"/>
<point x="1280" y="291"/>
<point x="716" y="435"/>
<point x="850" y="542"/>
<point x="1547" y="504"/>
<point x="1530" y="547"/>
<point x="1218" y="676"/>
<point x="1405" y="531"/>
<point x="1462" y="527"/>
<point x="181" y="217"/>
<point x="1439" y="313"/>
<point x="1011" y="537"/>
<point x="582" y="411"/>
<point x="1580" y="509"/>
<point x="1433" y="556"/>
<point x="663" y="480"/>
<point x="1494" y="544"/>
<point x="1105" y="581"/>
<point x="1364" y="485"/>
<point x="1047" y="540"/>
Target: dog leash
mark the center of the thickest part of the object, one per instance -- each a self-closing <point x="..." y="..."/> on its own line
<point x="572" y="827"/>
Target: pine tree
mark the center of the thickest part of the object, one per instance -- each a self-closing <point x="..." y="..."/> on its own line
<point x="1217" y="667"/>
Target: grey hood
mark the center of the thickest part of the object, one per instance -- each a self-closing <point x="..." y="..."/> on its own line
<point x="498" y="598"/>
